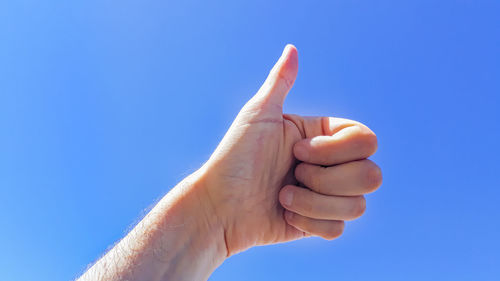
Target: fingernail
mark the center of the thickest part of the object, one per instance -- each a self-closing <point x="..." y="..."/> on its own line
<point x="287" y="198"/>
<point x="301" y="152"/>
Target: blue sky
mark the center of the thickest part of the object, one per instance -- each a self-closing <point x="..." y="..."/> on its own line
<point x="106" y="105"/>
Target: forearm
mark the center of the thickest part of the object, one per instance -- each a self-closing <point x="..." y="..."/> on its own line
<point x="178" y="240"/>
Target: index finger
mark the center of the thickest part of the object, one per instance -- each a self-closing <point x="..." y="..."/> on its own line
<point x="354" y="142"/>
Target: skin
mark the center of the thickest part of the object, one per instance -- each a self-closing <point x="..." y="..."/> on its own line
<point x="273" y="178"/>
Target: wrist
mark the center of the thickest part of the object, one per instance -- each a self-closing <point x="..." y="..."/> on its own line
<point x="188" y="212"/>
<point x="197" y="206"/>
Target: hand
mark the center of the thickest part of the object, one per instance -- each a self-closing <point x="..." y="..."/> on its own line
<point x="267" y="157"/>
<point x="273" y="178"/>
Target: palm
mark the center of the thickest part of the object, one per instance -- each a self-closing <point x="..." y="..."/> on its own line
<point x="249" y="189"/>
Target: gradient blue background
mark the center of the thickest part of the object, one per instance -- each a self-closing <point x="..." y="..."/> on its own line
<point x="106" y="105"/>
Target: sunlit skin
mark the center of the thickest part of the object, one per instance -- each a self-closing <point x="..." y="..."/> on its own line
<point x="273" y="178"/>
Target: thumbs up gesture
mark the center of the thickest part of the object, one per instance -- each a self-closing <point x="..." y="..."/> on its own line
<point x="278" y="177"/>
<point x="273" y="178"/>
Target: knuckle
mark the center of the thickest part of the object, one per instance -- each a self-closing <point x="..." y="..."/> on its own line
<point x="367" y="140"/>
<point x="335" y="231"/>
<point x="373" y="176"/>
<point x="285" y="79"/>
<point x="359" y="207"/>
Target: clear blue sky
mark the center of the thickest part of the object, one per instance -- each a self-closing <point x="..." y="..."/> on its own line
<point x="106" y="105"/>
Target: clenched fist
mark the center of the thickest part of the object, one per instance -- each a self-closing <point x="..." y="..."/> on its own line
<point x="277" y="177"/>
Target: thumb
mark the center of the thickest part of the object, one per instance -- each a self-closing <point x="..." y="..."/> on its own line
<point x="281" y="77"/>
